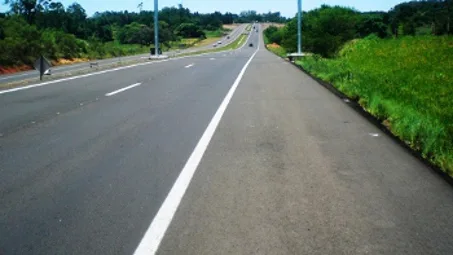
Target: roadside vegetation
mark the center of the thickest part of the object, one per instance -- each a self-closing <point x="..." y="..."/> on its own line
<point x="397" y="65"/>
<point x="33" y="28"/>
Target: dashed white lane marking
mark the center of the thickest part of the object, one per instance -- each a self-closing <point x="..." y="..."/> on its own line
<point x="156" y="231"/>
<point x="212" y="59"/>
<point x="189" y="66"/>
<point x="374" y="134"/>
<point x="123" y="89"/>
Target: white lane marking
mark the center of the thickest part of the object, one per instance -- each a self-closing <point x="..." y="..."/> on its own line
<point x="156" y="231"/>
<point x="212" y="59"/>
<point x="374" y="134"/>
<point x="103" y="72"/>
<point x="123" y="89"/>
<point x="189" y="66"/>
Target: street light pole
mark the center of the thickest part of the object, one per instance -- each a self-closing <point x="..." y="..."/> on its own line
<point x="299" y="27"/>
<point x="156" y="26"/>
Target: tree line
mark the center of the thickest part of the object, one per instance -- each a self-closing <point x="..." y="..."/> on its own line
<point x="34" y="27"/>
<point x="327" y="28"/>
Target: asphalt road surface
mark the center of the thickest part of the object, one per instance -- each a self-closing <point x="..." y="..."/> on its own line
<point x="106" y="62"/>
<point x="226" y="153"/>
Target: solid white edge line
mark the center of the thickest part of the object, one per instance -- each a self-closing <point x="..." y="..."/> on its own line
<point x="105" y="71"/>
<point x="156" y="231"/>
<point x="189" y="66"/>
<point x="123" y="89"/>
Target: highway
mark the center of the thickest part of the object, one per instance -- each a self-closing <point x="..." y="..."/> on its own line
<point x="225" y="153"/>
<point x="84" y="66"/>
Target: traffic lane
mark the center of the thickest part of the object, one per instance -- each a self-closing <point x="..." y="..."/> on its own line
<point x="86" y="65"/>
<point x="91" y="180"/>
<point x="203" y="66"/>
<point x="303" y="173"/>
<point x="27" y="107"/>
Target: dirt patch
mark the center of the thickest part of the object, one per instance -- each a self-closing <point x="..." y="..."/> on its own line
<point x="230" y="26"/>
<point x="266" y="25"/>
<point x="63" y="61"/>
<point x="14" y="69"/>
<point x="273" y="46"/>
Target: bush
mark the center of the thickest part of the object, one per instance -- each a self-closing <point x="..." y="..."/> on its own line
<point x="274" y="34"/>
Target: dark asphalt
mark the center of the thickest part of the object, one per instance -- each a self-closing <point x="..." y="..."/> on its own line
<point x="291" y="169"/>
<point x="69" y="69"/>
<point x="88" y="179"/>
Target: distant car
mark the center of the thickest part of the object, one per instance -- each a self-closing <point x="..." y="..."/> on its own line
<point x="251" y="45"/>
<point x="219" y="42"/>
<point x="215" y="45"/>
<point x="228" y="37"/>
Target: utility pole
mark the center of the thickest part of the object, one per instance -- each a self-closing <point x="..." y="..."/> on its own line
<point x="156" y="26"/>
<point x="299" y="27"/>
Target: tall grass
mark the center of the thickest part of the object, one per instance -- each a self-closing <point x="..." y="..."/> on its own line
<point x="214" y="34"/>
<point x="113" y="49"/>
<point x="406" y="82"/>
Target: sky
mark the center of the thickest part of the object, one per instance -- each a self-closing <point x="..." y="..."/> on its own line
<point x="288" y="8"/>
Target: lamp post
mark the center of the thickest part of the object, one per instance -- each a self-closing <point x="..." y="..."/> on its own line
<point x="156" y="26"/>
<point x="299" y="27"/>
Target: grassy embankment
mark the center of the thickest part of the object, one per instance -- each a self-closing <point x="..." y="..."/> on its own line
<point x="273" y="47"/>
<point x="407" y="83"/>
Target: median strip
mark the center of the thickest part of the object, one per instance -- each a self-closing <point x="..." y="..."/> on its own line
<point x="122" y="90"/>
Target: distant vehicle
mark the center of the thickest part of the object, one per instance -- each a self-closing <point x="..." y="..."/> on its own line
<point x="219" y="42"/>
<point x="215" y="45"/>
<point x="228" y="37"/>
<point x="251" y="45"/>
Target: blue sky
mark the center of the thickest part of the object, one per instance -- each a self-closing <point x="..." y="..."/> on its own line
<point x="286" y="7"/>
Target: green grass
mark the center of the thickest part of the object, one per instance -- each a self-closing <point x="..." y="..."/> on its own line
<point x="215" y="33"/>
<point x="248" y="28"/>
<point x="234" y="45"/>
<point x="280" y="51"/>
<point x="114" y="49"/>
<point x="406" y="82"/>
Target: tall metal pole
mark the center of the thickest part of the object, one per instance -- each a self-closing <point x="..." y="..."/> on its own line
<point x="156" y="26"/>
<point x="299" y="27"/>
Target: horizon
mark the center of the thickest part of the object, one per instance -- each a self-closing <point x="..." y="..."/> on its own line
<point x="285" y="7"/>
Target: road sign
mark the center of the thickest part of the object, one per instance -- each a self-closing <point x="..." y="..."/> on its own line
<point x="43" y="66"/>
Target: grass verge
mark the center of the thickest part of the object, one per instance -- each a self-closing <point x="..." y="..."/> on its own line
<point x="232" y="46"/>
<point x="273" y="47"/>
<point x="407" y="83"/>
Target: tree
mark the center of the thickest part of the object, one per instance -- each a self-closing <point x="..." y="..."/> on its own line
<point x="325" y="30"/>
<point x="27" y="8"/>
<point x="2" y="30"/>
<point x="76" y="19"/>
<point x="274" y="34"/>
<point x="189" y="30"/>
<point x="372" y="24"/>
